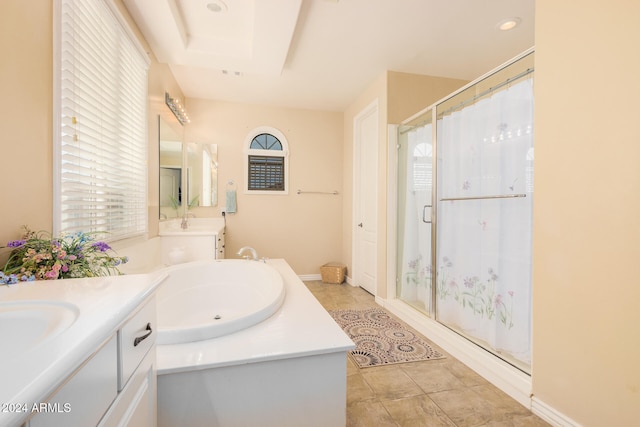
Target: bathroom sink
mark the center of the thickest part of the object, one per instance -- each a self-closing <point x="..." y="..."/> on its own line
<point x="25" y="325"/>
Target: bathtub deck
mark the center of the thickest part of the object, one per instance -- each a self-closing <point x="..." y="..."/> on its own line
<point x="301" y="327"/>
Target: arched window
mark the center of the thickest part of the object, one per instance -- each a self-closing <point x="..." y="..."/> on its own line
<point x="267" y="161"/>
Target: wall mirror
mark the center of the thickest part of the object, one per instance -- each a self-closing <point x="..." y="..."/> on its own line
<point x="171" y="161"/>
<point x="202" y="174"/>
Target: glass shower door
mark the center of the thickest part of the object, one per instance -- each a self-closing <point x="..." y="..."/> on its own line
<point x="415" y="185"/>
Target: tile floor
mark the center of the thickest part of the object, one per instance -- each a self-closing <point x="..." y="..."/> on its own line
<point x="441" y="392"/>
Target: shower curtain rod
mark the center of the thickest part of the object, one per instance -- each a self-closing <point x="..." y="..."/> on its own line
<point x="487" y="92"/>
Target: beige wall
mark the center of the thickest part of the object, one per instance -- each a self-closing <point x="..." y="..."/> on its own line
<point x="26" y="120"/>
<point x="304" y="229"/>
<point x="586" y="319"/>
<point x="410" y="93"/>
<point x="26" y="153"/>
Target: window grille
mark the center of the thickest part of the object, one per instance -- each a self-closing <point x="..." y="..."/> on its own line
<point x="101" y="123"/>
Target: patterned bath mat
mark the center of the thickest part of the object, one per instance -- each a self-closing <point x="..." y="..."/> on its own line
<point x="380" y="339"/>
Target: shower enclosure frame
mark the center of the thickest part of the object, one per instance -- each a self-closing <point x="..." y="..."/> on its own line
<point x="514" y="381"/>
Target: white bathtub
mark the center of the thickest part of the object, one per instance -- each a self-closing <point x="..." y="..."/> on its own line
<point x="208" y="299"/>
<point x="286" y="371"/>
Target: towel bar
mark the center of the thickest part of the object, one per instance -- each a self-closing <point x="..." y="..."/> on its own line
<point x="335" y="192"/>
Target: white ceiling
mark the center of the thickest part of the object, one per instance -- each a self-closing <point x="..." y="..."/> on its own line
<point x="321" y="54"/>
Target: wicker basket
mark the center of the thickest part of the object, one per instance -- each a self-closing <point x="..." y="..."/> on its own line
<point x="333" y="272"/>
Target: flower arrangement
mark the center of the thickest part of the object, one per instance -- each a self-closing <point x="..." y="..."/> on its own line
<point x="40" y="256"/>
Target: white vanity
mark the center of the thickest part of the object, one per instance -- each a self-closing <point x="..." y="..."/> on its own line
<point x="201" y="240"/>
<point x="79" y="352"/>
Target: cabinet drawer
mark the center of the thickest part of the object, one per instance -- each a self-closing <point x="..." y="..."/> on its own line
<point x="135" y="339"/>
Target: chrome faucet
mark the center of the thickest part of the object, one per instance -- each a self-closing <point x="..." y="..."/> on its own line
<point x="254" y="254"/>
<point x="185" y="223"/>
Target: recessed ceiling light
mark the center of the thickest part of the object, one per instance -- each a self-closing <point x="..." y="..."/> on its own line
<point x="217" y="6"/>
<point x="508" y="24"/>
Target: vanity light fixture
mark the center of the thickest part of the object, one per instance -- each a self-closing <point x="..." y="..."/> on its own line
<point x="177" y="109"/>
<point x="508" y="24"/>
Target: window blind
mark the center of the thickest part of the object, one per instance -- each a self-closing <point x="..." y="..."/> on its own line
<point x="266" y="173"/>
<point x="101" y="146"/>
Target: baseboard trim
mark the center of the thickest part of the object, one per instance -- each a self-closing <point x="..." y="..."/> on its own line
<point x="512" y="381"/>
<point x="310" y="277"/>
<point x="551" y="415"/>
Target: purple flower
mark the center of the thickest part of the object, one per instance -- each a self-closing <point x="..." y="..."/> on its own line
<point x="10" y="279"/>
<point x="101" y="246"/>
<point x="16" y="243"/>
<point x="470" y="282"/>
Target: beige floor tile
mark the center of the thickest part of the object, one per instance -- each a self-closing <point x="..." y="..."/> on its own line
<point x="418" y="411"/>
<point x="465" y="374"/>
<point x="369" y="414"/>
<point x="358" y="390"/>
<point x="502" y="406"/>
<point x="390" y="382"/>
<point x="432" y="377"/>
<point x="463" y="406"/>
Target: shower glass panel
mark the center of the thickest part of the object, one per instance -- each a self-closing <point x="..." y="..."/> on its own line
<point x="415" y="185"/>
<point x="485" y="198"/>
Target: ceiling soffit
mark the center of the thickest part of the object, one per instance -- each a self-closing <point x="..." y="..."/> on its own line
<point x="244" y="36"/>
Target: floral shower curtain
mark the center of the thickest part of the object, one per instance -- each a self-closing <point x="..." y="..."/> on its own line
<point x="485" y="188"/>
<point x="415" y="275"/>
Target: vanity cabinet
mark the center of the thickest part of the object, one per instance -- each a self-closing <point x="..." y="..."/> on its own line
<point x="116" y="386"/>
<point x="202" y="240"/>
<point x="220" y="244"/>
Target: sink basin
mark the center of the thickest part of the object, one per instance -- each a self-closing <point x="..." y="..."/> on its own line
<point x="24" y="325"/>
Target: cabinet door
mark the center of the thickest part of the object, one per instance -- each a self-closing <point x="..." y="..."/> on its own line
<point x="86" y="395"/>
<point x="136" y="403"/>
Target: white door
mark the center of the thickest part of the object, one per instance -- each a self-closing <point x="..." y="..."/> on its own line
<point x="365" y="198"/>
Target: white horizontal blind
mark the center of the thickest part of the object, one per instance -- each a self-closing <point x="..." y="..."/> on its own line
<point x="102" y="139"/>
